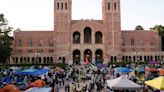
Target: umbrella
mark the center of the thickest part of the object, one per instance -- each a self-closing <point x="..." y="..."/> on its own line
<point x="10" y="88"/>
<point x="157" y="83"/>
<point x="39" y="83"/>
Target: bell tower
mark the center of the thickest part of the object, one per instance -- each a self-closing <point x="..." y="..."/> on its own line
<point x="112" y="25"/>
<point x="62" y="29"/>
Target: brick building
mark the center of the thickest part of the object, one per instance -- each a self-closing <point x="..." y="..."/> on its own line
<point x="72" y="41"/>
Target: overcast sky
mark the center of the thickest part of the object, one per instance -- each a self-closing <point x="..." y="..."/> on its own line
<point x="38" y="14"/>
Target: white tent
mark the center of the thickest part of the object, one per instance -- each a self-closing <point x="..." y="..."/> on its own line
<point x="35" y="89"/>
<point x="122" y="83"/>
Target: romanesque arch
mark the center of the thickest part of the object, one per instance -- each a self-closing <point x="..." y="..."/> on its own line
<point x="88" y="54"/>
<point x="87" y="35"/>
<point x="98" y="56"/>
<point x="76" y="57"/>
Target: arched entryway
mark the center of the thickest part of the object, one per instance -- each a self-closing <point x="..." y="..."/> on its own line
<point x="99" y="56"/>
<point x="87" y="35"/>
<point x="88" y="54"/>
<point x="76" y="57"/>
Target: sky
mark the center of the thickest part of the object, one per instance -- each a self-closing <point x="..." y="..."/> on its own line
<point x="38" y="14"/>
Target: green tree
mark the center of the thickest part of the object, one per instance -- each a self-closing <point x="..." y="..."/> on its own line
<point x="160" y="30"/>
<point x="139" y="27"/>
<point x="5" y="40"/>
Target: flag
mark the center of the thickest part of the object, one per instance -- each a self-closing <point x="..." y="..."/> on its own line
<point x="86" y="60"/>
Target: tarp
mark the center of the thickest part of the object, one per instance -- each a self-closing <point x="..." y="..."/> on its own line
<point x="122" y="83"/>
<point x="35" y="89"/>
<point x="32" y="72"/>
<point x="157" y="83"/>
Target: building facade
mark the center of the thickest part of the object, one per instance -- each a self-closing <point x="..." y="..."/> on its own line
<point x="101" y="41"/>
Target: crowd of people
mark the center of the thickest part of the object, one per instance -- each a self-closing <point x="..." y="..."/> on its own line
<point x="77" y="78"/>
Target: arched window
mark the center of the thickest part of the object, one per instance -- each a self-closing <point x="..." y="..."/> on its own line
<point x="87" y="35"/>
<point x="132" y="41"/>
<point x="58" y="6"/>
<point x="115" y="6"/>
<point x="108" y="5"/>
<point x="76" y="37"/>
<point x="65" y="6"/>
<point x="98" y="37"/>
<point x="61" y="6"/>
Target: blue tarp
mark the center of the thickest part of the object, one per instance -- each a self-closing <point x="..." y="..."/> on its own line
<point x="32" y="72"/>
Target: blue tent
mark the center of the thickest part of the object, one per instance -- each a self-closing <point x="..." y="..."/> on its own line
<point x="141" y="70"/>
<point x="123" y="70"/>
<point x="7" y="79"/>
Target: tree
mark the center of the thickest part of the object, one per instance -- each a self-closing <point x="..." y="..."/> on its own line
<point x="5" y="40"/>
<point x="160" y="30"/>
<point x="139" y="27"/>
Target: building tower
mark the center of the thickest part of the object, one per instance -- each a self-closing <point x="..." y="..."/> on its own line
<point x="112" y="26"/>
<point x="62" y="28"/>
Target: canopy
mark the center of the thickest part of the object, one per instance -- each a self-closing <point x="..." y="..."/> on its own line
<point x="122" y="83"/>
<point x="157" y="83"/>
<point x="35" y="89"/>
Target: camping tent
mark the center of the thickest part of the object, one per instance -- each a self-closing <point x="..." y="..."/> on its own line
<point x="157" y="83"/>
<point x="122" y="83"/>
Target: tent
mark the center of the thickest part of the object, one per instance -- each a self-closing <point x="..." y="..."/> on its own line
<point x="123" y="70"/>
<point x="161" y="71"/>
<point x="35" y="89"/>
<point x="153" y="62"/>
<point x="157" y="83"/>
<point x="122" y="83"/>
